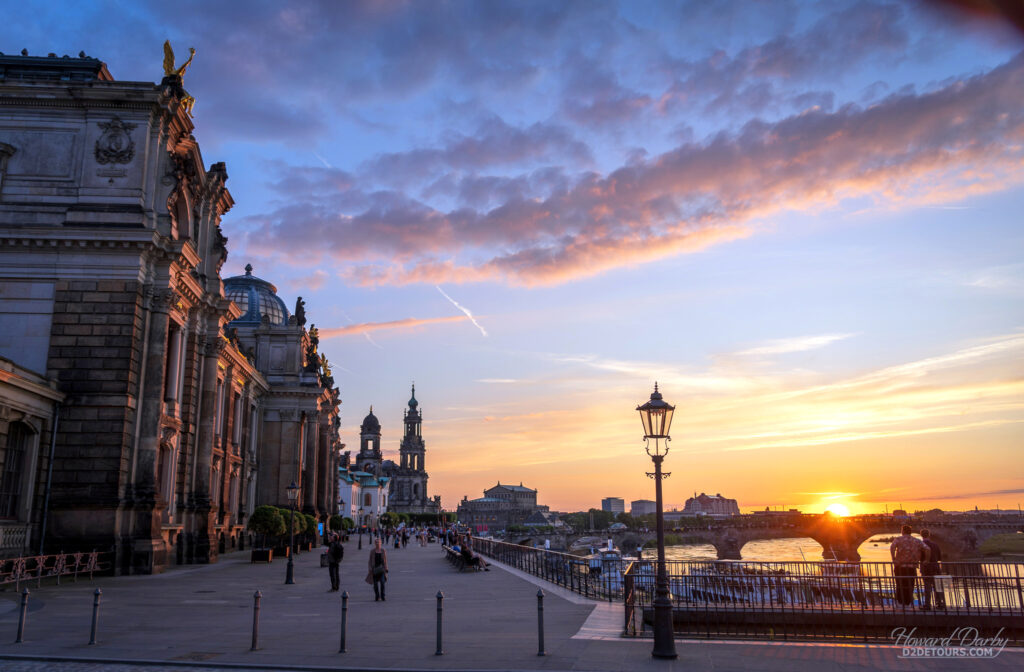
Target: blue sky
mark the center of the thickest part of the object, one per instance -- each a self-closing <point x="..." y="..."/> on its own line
<point x="802" y="218"/>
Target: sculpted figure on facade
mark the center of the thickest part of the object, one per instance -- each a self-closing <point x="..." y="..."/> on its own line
<point x="115" y="145"/>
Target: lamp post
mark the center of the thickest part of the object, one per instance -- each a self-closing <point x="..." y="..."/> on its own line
<point x="656" y="416"/>
<point x="293" y="496"/>
<point x="360" y="528"/>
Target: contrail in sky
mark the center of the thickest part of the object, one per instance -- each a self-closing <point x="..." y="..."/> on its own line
<point x="463" y="309"/>
<point x="323" y="160"/>
<point x="366" y="334"/>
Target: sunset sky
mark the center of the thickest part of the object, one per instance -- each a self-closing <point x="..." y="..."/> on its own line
<point x="804" y="220"/>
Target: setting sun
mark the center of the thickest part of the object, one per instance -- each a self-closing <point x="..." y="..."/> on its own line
<point x="838" y="510"/>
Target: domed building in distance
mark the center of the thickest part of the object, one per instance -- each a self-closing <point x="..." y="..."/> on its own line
<point x="363" y="488"/>
<point x="299" y="412"/>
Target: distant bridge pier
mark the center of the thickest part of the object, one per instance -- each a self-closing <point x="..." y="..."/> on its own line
<point x="728" y="548"/>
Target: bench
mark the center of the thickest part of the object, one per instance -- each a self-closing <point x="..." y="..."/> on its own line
<point x="454" y="557"/>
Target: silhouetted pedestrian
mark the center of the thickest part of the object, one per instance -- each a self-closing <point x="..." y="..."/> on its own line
<point x="335" y="552"/>
<point x="378" y="566"/>
<point x="929" y="569"/>
<point x="907" y="553"/>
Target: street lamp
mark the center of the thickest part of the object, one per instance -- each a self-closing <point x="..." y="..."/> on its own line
<point x="293" y="496"/>
<point x="360" y="528"/>
<point x="656" y="416"/>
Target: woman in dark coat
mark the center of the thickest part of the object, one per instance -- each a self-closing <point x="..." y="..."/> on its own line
<point x="378" y="570"/>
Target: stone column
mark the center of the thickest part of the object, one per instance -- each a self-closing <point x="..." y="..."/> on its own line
<point x="149" y="553"/>
<point x="173" y="368"/>
<point x="309" y="474"/>
<point x="204" y="543"/>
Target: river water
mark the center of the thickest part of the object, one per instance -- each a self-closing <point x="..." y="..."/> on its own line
<point x="778" y="550"/>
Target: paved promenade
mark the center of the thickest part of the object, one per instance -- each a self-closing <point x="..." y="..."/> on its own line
<point x="201" y="617"/>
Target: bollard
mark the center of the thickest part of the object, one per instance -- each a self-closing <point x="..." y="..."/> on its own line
<point x="24" y="614"/>
<point x="344" y="621"/>
<point x="440" y="609"/>
<point x="95" y="615"/>
<point x="256" y="597"/>
<point x="540" y="623"/>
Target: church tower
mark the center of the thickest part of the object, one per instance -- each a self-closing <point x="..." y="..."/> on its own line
<point x="409" y="476"/>
<point x="369" y="458"/>
<point x="412" y="449"/>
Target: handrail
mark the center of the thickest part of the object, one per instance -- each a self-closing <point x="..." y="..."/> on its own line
<point x="38" y="567"/>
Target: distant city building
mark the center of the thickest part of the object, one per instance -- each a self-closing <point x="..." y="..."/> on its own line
<point x="613" y="505"/>
<point x="711" y="505"/>
<point x="499" y="508"/>
<point x="642" y="507"/>
<point x="543" y="519"/>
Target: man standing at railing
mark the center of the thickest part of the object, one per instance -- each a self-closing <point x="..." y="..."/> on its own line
<point x="929" y="569"/>
<point x="907" y="553"/>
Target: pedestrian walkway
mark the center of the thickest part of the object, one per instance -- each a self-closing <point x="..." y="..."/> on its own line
<point x="201" y="616"/>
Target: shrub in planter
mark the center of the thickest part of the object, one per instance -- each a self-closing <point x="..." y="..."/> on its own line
<point x="334" y="522"/>
<point x="266" y="521"/>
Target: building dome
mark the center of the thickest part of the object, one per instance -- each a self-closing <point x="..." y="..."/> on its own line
<point x="371" y="425"/>
<point x="256" y="297"/>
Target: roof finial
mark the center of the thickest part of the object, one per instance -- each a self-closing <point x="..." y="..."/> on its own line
<point x="371" y="408"/>
<point x="655" y="386"/>
<point x="248" y="269"/>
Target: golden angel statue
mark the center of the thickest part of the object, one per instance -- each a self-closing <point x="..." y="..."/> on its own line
<point x="169" y="68"/>
<point x="188" y="102"/>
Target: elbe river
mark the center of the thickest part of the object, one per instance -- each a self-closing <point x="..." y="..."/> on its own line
<point x="774" y="550"/>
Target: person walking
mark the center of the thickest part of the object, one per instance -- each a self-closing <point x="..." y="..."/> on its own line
<point x="907" y="553"/>
<point x="929" y="569"/>
<point x="378" y="570"/>
<point x="335" y="552"/>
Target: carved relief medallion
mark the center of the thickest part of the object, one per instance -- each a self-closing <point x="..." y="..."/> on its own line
<point x="115" y="145"/>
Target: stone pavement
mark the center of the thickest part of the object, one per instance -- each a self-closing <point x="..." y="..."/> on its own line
<point x="200" y="617"/>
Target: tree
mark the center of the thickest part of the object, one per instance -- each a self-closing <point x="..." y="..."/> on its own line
<point x="628" y="520"/>
<point x="388" y="519"/>
<point x="267" y="521"/>
<point x="300" y="522"/>
<point x="334" y="522"/>
<point x="347" y="523"/>
<point x="312" y="525"/>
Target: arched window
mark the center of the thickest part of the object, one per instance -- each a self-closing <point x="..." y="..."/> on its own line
<point x="415" y="489"/>
<point x="18" y="437"/>
<point x="366" y="499"/>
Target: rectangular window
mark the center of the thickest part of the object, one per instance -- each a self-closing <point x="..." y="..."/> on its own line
<point x="14" y="465"/>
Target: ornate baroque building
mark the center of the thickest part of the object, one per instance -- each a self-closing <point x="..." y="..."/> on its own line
<point x="500" y="507"/>
<point x="173" y="410"/>
<point x="363" y="489"/>
<point x="710" y="505"/>
<point x="409" y="476"/>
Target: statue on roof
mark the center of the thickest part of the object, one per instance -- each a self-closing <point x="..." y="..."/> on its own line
<point x="169" y="69"/>
<point x="300" y="312"/>
<point x="187" y="101"/>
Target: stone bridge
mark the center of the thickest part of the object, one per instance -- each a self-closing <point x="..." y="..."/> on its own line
<point x="839" y="537"/>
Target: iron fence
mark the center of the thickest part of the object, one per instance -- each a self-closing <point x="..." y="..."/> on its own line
<point x="580" y="575"/>
<point x="827" y="600"/>
<point x="39" y="567"/>
<point x="821" y="601"/>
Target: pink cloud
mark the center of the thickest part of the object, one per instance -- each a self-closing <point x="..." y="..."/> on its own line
<point x="940" y="146"/>
<point x="407" y="323"/>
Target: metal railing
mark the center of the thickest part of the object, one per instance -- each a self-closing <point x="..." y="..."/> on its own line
<point x="39" y="567"/>
<point x="826" y="600"/>
<point x="572" y="572"/>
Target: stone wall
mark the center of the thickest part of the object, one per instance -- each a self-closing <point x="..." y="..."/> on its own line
<point x="95" y="354"/>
